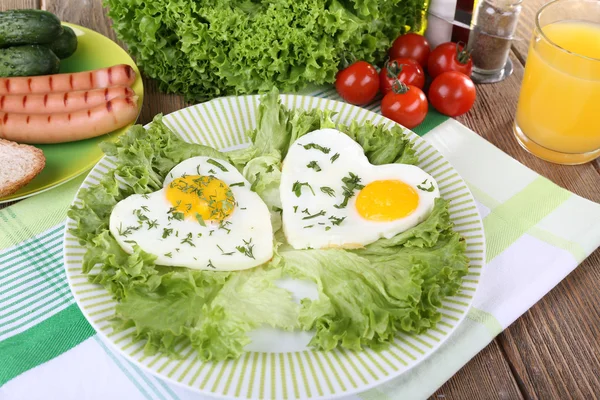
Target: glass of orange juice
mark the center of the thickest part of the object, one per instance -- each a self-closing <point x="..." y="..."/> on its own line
<point x="558" y="115"/>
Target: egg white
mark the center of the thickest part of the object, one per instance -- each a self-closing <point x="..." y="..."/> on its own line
<point x="303" y="231"/>
<point x="190" y="244"/>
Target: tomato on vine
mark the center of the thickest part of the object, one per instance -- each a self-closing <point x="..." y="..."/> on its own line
<point x="449" y="57"/>
<point x="408" y="73"/>
<point x="411" y="45"/>
<point x="358" y="84"/>
<point x="405" y="104"/>
<point x="452" y="93"/>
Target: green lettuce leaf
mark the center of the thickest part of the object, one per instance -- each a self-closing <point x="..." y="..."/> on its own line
<point x="366" y="295"/>
<point x="264" y="174"/>
<point x="209" y="48"/>
<point x="382" y="145"/>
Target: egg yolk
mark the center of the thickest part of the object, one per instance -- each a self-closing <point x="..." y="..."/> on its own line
<point x="386" y="200"/>
<point x="203" y="198"/>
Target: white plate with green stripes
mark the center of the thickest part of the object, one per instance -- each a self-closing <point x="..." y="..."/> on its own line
<point x="286" y="369"/>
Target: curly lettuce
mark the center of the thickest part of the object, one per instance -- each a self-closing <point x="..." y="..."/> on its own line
<point x="207" y="48"/>
<point x="365" y="296"/>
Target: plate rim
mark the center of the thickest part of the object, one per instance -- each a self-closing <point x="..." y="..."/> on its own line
<point x="351" y="391"/>
<point x="20" y="196"/>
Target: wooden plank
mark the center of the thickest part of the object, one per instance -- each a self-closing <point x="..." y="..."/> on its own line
<point x="555" y="347"/>
<point x="488" y="376"/>
<point x="18" y="4"/>
<point x="92" y="15"/>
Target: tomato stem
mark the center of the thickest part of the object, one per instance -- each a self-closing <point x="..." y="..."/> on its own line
<point x="393" y="69"/>
<point x="462" y="54"/>
<point x="399" y="87"/>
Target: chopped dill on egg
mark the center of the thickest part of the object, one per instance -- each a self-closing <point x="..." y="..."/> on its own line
<point x="247" y="248"/>
<point x="328" y="191"/>
<point x="297" y="188"/>
<point x="200" y="219"/>
<point x="217" y="164"/>
<point x="319" y="214"/>
<point x="316" y="147"/>
<point x="152" y="224"/>
<point x="128" y="231"/>
<point x="188" y="240"/>
<point x="431" y="188"/>
<point x="351" y="183"/>
<point x="334" y="157"/>
<point x="336" y="220"/>
<point x="314" y="165"/>
<point x="223" y="252"/>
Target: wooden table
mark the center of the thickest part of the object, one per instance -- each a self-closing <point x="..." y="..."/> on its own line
<point x="553" y="350"/>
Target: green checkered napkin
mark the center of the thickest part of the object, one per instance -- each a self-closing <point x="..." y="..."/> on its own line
<point x="536" y="234"/>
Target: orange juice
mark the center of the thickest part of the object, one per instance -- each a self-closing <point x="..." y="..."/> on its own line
<point x="559" y="106"/>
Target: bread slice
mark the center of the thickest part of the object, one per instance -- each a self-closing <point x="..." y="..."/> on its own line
<point x="19" y="164"/>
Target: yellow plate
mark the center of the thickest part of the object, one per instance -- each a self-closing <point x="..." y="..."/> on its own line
<point x="65" y="161"/>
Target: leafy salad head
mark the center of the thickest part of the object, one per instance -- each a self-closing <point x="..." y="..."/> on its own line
<point x="208" y="48"/>
<point x="365" y="296"/>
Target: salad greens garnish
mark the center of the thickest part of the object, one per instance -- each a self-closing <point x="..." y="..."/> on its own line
<point x="425" y="263"/>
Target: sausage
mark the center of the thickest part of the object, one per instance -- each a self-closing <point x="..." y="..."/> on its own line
<point x="121" y="74"/>
<point x="50" y="103"/>
<point x="69" y="126"/>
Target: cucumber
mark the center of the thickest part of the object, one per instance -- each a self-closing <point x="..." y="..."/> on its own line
<point x="19" y="27"/>
<point x="28" y="60"/>
<point x="65" y="45"/>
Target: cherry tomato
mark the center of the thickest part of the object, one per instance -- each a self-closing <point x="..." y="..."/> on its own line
<point x="411" y="45"/>
<point x="449" y="57"/>
<point x="452" y="93"/>
<point x="358" y="84"/>
<point x="410" y="74"/>
<point x="405" y="104"/>
<point x="406" y="60"/>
